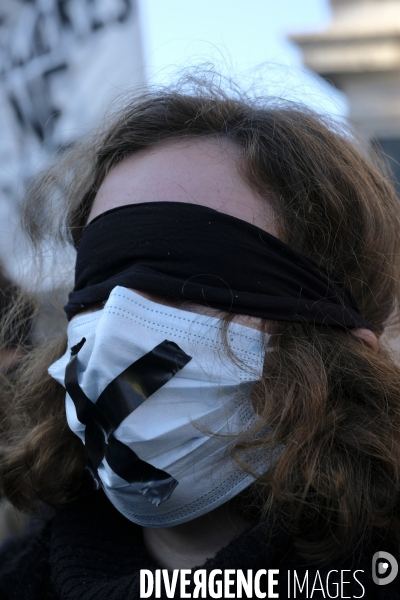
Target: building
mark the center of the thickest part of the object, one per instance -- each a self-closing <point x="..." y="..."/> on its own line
<point x="360" y="54"/>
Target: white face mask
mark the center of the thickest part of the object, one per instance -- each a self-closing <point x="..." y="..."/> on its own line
<point x="170" y="429"/>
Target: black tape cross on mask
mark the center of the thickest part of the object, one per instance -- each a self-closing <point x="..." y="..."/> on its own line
<point x="118" y="400"/>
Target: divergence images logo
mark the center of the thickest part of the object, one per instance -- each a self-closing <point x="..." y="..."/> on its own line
<point x="384" y="568"/>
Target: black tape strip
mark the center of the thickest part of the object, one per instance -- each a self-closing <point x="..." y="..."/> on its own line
<point x="154" y="483"/>
<point x="87" y="413"/>
<point x="140" y="380"/>
<point x="119" y="399"/>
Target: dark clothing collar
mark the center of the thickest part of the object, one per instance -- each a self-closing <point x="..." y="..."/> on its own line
<point x="88" y="551"/>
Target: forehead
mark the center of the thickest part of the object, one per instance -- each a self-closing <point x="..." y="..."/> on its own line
<point x="195" y="171"/>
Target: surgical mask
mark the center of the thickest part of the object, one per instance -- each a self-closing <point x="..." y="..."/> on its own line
<point x="158" y="401"/>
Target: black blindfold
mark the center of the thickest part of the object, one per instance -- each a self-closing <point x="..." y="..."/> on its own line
<point x="199" y="254"/>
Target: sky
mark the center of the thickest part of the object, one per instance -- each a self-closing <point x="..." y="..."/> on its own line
<point x="244" y="39"/>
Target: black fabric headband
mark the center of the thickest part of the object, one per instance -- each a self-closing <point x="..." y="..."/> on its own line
<point x="199" y="254"/>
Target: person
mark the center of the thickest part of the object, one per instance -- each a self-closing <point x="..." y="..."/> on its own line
<point x="224" y="398"/>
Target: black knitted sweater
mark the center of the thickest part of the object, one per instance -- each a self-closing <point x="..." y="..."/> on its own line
<point x="88" y="551"/>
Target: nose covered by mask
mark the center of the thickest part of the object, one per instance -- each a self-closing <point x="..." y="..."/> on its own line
<point x="159" y="388"/>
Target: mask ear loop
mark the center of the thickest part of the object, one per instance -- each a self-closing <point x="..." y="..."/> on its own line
<point x="118" y="400"/>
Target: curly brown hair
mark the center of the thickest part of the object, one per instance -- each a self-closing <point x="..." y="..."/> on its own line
<point x="331" y="403"/>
